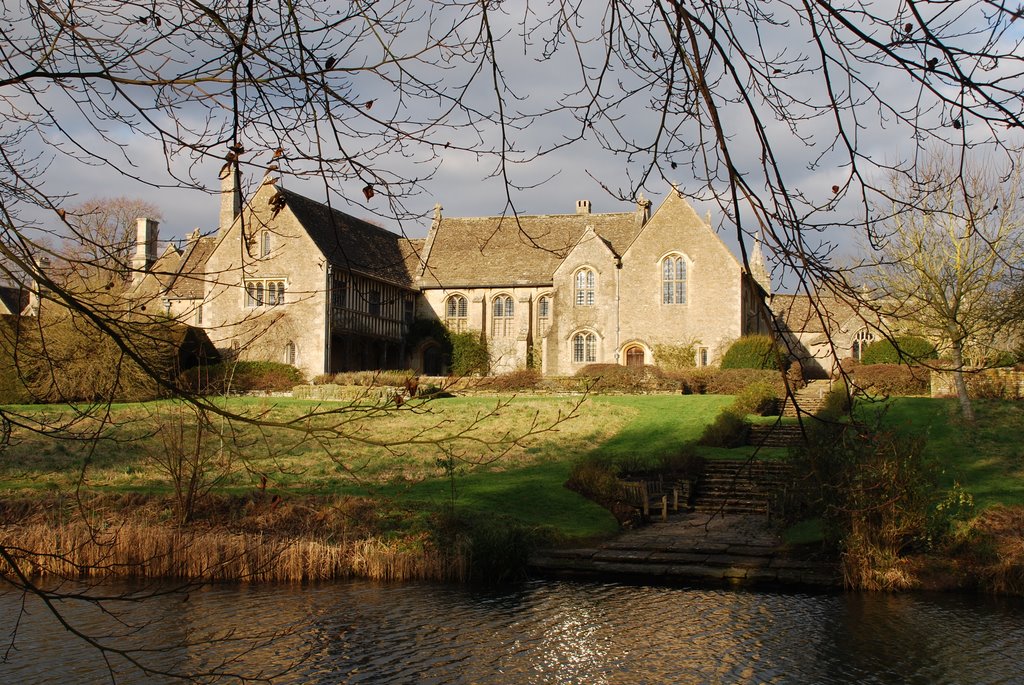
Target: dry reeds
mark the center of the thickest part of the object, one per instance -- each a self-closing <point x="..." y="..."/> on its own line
<point x="141" y="550"/>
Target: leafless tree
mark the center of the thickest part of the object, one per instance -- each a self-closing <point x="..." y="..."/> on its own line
<point x="103" y="233"/>
<point x="952" y="243"/>
<point x="780" y="112"/>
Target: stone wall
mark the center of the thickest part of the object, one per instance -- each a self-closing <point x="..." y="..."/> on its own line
<point x="264" y="332"/>
<point x="1005" y="383"/>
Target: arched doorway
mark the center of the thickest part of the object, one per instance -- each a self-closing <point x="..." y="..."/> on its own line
<point x="433" y="361"/>
<point x="635" y="356"/>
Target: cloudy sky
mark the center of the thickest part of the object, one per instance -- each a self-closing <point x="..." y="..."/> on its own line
<point x="536" y="82"/>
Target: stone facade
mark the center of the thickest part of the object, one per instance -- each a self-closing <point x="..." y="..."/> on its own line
<point x="289" y="279"/>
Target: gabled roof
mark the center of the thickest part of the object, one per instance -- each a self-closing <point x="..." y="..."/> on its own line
<point x="511" y="250"/>
<point x="354" y="244"/>
<point x="189" y="279"/>
<point x="823" y="314"/>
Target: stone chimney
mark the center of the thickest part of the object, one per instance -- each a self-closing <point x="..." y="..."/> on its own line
<point x="230" y="196"/>
<point x="583" y="206"/>
<point x="643" y="209"/>
<point x="145" y="246"/>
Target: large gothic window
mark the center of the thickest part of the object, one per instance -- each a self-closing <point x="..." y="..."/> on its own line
<point x="673" y="280"/>
<point x="455" y="313"/>
<point x="861" y="340"/>
<point x="503" y="316"/>
<point x="585" y="282"/>
<point x="584" y="348"/>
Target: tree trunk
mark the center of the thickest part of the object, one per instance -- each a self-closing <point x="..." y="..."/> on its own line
<point x="966" y="410"/>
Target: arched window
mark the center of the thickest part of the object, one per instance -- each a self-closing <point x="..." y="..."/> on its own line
<point x="264" y="243"/>
<point x="259" y="294"/>
<point x="503" y="316"/>
<point x="250" y="295"/>
<point x="455" y="313"/>
<point x="543" y="314"/>
<point x="290" y="353"/>
<point x="862" y="339"/>
<point x="585" y="281"/>
<point x="584" y="348"/>
<point x="673" y="280"/>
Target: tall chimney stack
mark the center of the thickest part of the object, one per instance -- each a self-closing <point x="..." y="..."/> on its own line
<point x="583" y="206"/>
<point x="230" y="196"/>
<point x="145" y="245"/>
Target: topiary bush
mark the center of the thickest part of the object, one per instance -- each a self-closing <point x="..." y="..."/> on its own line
<point x="904" y="349"/>
<point x="753" y="352"/>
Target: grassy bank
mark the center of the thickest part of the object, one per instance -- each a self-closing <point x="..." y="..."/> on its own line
<point x="360" y="491"/>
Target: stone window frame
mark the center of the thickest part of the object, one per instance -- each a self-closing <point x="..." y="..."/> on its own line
<point x="291" y="353"/>
<point x="672" y="282"/>
<point x="861" y="339"/>
<point x="264" y="243"/>
<point x="456" y="312"/>
<point x="544" y="318"/>
<point x="263" y="292"/>
<point x="583" y="346"/>
<point x="584" y="291"/>
<point x="503" y="315"/>
<point x="703" y="356"/>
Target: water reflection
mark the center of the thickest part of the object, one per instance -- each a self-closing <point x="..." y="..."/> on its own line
<point x="537" y="633"/>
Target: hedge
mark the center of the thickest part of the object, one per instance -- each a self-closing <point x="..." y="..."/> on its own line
<point x="903" y="349"/>
<point x="753" y="352"/>
<point x="241" y="376"/>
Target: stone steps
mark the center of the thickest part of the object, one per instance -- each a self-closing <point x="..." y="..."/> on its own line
<point x="809" y="399"/>
<point x="775" y="435"/>
<point x="740" y="487"/>
<point x="731" y="550"/>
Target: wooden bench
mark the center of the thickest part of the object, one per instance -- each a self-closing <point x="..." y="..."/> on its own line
<point x="657" y="495"/>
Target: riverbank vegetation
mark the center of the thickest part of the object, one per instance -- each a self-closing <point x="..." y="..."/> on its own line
<point x="257" y="499"/>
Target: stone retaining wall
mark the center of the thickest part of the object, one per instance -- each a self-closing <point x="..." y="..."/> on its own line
<point x="1004" y="383"/>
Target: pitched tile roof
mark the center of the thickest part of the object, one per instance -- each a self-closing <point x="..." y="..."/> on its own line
<point x="511" y="250"/>
<point x="823" y="314"/>
<point x="189" y="278"/>
<point x="354" y="244"/>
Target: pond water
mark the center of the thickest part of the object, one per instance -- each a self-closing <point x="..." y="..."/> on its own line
<point x="538" y="632"/>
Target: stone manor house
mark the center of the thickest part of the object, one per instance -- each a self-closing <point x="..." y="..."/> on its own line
<point x="286" y="278"/>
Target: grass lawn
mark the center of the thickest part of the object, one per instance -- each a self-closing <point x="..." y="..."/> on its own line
<point x="360" y="451"/>
<point x="987" y="459"/>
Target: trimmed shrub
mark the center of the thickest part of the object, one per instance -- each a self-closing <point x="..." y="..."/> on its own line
<point x="469" y="354"/>
<point x="890" y="379"/>
<point x="520" y="379"/>
<point x="618" y="378"/>
<point x="758" y="398"/>
<point x="373" y="379"/>
<point x="711" y="381"/>
<point x="241" y="376"/>
<point x="729" y="429"/>
<point x="904" y="349"/>
<point x="753" y="352"/>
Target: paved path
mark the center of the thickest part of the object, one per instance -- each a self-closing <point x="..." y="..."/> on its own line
<point x="734" y="549"/>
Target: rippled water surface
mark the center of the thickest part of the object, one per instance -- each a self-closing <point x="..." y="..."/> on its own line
<point x="536" y="633"/>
